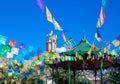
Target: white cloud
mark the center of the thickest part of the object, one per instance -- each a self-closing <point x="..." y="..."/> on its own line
<point x="61" y="49"/>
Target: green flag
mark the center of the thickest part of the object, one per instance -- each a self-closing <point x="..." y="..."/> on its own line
<point x="6" y="48"/>
<point x="1" y="54"/>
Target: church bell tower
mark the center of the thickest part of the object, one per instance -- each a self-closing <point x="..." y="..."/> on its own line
<point x="51" y="42"/>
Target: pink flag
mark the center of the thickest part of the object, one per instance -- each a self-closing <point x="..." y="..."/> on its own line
<point x="64" y="38"/>
<point x="101" y="16"/>
<point x="40" y="4"/>
<point x="12" y="43"/>
<point x="108" y="47"/>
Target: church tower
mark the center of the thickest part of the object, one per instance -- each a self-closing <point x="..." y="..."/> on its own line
<point x="51" y="42"/>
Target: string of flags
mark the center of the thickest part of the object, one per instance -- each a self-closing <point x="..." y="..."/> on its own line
<point x="52" y="20"/>
<point x="49" y="16"/>
<point x="101" y="18"/>
<point x="100" y="21"/>
<point x="12" y="48"/>
<point x="68" y="43"/>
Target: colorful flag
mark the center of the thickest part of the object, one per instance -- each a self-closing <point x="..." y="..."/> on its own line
<point x="6" y="48"/>
<point x="24" y="52"/>
<point x="101" y="16"/>
<point x="9" y="55"/>
<point x="98" y="23"/>
<point x="35" y="58"/>
<point x="22" y="46"/>
<point x="3" y="39"/>
<point x="93" y="46"/>
<point x="63" y="36"/>
<point x="2" y="54"/>
<point x="89" y="51"/>
<point x="103" y="3"/>
<point x="27" y="62"/>
<point x="116" y="43"/>
<point x="105" y="50"/>
<point x="118" y="38"/>
<point x="14" y="51"/>
<point x="108" y="47"/>
<point x="49" y="15"/>
<point x="97" y="36"/>
<point x="46" y="53"/>
<point x="40" y="3"/>
<point x="69" y="42"/>
<point x="12" y="43"/>
<point x="56" y="25"/>
<point x="30" y="48"/>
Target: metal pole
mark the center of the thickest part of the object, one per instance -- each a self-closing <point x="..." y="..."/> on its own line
<point x="69" y="76"/>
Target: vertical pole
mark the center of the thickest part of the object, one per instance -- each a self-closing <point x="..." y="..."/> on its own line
<point x="57" y="76"/>
<point x="74" y="75"/>
<point x="95" y="75"/>
<point x="101" y="64"/>
<point x="69" y="76"/>
<point x="52" y="75"/>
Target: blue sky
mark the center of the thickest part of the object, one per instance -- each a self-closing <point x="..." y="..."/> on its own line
<point x="23" y="20"/>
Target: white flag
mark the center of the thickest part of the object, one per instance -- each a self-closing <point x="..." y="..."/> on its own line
<point x="97" y="37"/>
<point x="9" y="55"/>
<point x="56" y="25"/>
<point x="15" y="51"/>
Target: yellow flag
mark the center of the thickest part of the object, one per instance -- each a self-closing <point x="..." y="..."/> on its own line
<point x="98" y="23"/>
<point x="49" y="15"/>
<point x="105" y="50"/>
<point x="89" y="51"/>
<point x="116" y="43"/>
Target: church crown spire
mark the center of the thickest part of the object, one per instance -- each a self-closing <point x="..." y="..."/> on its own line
<point x="84" y="37"/>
